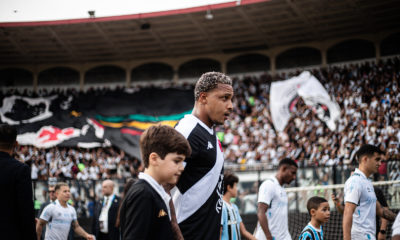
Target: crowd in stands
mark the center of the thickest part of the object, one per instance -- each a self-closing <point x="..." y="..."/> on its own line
<point x="80" y="164"/>
<point x="368" y="95"/>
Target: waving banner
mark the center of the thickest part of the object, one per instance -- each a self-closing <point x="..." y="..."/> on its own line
<point x="94" y="119"/>
<point x="285" y="94"/>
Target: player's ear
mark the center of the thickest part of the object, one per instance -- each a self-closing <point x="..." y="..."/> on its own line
<point x="363" y="159"/>
<point x="203" y="97"/>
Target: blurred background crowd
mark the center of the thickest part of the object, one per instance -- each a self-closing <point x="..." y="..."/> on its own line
<point x="367" y="93"/>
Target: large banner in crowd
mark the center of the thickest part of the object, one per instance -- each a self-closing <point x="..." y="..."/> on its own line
<point x="285" y="94"/>
<point x="94" y="119"/>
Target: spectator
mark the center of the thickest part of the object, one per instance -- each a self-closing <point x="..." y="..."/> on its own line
<point x="105" y="214"/>
<point x="18" y="217"/>
<point x="367" y="93"/>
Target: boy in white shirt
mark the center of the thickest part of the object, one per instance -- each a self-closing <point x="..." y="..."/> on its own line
<point x="146" y="211"/>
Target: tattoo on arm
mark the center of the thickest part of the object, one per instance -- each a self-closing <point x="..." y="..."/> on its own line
<point x="389" y="215"/>
<point x="74" y="225"/>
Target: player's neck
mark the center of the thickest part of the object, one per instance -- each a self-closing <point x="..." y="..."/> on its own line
<point x="315" y="223"/>
<point x="200" y="114"/>
<point x="363" y="169"/>
<point x="63" y="203"/>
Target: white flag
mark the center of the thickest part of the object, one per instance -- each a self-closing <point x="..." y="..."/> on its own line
<point x="284" y="95"/>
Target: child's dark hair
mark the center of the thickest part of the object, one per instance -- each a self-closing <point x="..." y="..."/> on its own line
<point x="162" y="139"/>
<point x="314" y="202"/>
<point x="229" y="180"/>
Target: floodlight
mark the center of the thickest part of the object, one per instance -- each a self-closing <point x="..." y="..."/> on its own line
<point x="91" y="13"/>
<point x="209" y="15"/>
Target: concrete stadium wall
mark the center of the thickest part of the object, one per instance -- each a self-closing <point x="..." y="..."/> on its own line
<point x="283" y="56"/>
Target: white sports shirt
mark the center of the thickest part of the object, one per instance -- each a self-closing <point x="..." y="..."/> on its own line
<point x="396" y="226"/>
<point x="273" y="194"/>
<point x="358" y="189"/>
<point x="58" y="219"/>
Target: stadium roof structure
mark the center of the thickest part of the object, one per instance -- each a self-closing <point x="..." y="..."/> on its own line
<point x="237" y="26"/>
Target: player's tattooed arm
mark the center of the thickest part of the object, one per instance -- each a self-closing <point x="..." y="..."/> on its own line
<point x="39" y="227"/>
<point x="385" y="212"/>
<point x="388" y="215"/>
<point x="79" y="230"/>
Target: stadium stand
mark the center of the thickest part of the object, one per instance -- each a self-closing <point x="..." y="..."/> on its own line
<point x="370" y="114"/>
<point x="359" y="66"/>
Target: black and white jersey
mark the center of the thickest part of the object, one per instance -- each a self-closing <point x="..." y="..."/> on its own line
<point x="198" y="194"/>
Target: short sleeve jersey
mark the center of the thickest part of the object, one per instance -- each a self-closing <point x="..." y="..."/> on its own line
<point x="274" y="195"/>
<point x="230" y="222"/>
<point x="58" y="220"/>
<point x="198" y="194"/>
<point x="359" y="190"/>
<point x="311" y="233"/>
<point x="396" y="226"/>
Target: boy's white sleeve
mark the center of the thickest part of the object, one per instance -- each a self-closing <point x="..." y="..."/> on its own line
<point x="266" y="192"/>
<point x="352" y="191"/>
<point x="47" y="212"/>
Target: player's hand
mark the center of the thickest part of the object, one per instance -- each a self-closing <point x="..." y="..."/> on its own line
<point x="90" y="237"/>
<point x="270" y="237"/>
<point x="334" y="198"/>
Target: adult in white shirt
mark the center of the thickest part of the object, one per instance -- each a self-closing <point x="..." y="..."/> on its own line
<point x="272" y="210"/>
<point x="35" y="170"/>
<point x="58" y="216"/>
<point x="361" y="207"/>
<point x="83" y="175"/>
